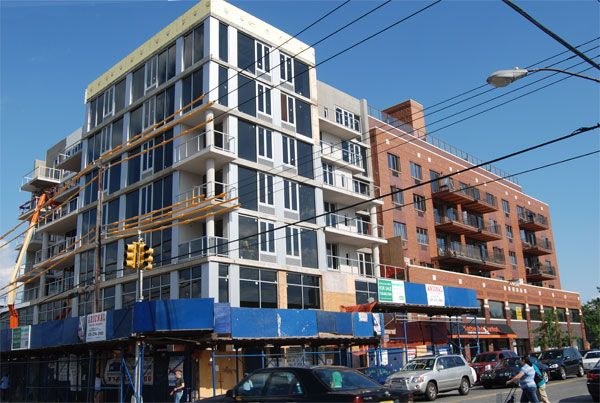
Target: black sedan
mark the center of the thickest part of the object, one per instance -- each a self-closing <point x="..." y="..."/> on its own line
<point x="506" y="369"/>
<point x="593" y="382"/>
<point x="315" y="384"/>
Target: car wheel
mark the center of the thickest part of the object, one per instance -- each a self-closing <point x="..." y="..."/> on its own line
<point x="546" y="377"/>
<point x="487" y="385"/>
<point x="562" y="373"/>
<point x="580" y="371"/>
<point x="465" y="386"/>
<point x="431" y="391"/>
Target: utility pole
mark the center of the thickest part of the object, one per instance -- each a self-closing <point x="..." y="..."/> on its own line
<point x="98" y="248"/>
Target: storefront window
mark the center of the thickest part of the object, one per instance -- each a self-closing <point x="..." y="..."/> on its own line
<point x="517" y="311"/>
<point x="534" y="312"/>
<point x="561" y="315"/>
<point x="575" y="315"/>
<point x="497" y="310"/>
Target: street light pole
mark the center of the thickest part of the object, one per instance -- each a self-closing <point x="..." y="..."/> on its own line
<point x="502" y="78"/>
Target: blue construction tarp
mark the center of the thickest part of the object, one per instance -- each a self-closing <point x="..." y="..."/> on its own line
<point x="173" y="315"/>
<point x="339" y="323"/>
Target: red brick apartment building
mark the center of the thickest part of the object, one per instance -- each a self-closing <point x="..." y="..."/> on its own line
<point x="466" y="231"/>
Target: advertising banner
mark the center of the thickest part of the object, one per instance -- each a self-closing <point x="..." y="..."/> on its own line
<point x="435" y="295"/>
<point x="391" y="291"/>
<point x="96" y="327"/>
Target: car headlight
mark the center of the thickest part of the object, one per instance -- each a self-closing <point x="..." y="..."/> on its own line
<point x="553" y="365"/>
<point x="417" y="379"/>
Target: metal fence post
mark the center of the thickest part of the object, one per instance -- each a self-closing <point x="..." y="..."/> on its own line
<point x="214" y="372"/>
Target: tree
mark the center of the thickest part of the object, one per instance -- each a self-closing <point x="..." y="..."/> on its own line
<point x="550" y="334"/>
<point x="591" y="318"/>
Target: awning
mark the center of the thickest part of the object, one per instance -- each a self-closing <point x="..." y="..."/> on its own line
<point x="483" y="330"/>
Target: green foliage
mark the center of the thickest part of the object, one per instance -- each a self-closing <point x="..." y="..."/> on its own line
<point x="550" y="334"/>
<point x="591" y="318"/>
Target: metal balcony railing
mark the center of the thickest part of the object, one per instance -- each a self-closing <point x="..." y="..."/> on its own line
<point x="364" y="268"/>
<point x="203" y="247"/>
<point x="471" y="252"/>
<point x="198" y="143"/>
<point x="341" y="155"/>
<point x="540" y="269"/>
<point x="533" y="218"/>
<point x="543" y="243"/>
<point x="47" y="173"/>
<point x="59" y="285"/>
<point x="351" y="185"/>
<point x="218" y="188"/>
<point x="54" y="215"/>
<point x="68" y="153"/>
<point x="354" y="225"/>
<point x="29" y="294"/>
<point x="66" y="245"/>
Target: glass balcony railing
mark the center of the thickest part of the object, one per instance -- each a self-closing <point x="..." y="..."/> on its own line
<point x="364" y="268"/>
<point x="354" y="225"/>
<point x="69" y="152"/>
<point x="472" y="253"/>
<point x="350" y="184"/>
<point x="203" y="247"/>
<point x="340" y="155"/>
<point x="56" y="214"/>
<point x="66" y="245"/>
<point x="199" y="142"/>
<point x="217" y="189"/>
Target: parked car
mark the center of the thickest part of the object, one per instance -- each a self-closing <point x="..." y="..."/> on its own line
<point x="310" y="384"/>
<point x="487" y="361"/>
<point x="377" y="373"/>
<point x="506" y="369"/>
<point x="590" y="359"/>
<point x="563" y="362"/>
<point x="430" y="375"/>
<point x="593" y="382"/>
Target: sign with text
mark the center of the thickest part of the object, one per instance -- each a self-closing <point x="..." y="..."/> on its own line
<point x="391" y="291"/>
<point x="21" y="338"/>
<point x="435" y="295"/>
<point x="96" y="327"/>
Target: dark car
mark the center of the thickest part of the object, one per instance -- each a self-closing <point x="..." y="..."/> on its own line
<point x="377" y="373"/>
<point x="488" y="360"/>
<point x="593" y="382"/>
<point x="506" y="369"/>
<point x="314" y="384"/>
<point x="563" y="362"/>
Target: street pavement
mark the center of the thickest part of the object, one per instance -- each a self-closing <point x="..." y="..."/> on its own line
<point x="570" y="390"/>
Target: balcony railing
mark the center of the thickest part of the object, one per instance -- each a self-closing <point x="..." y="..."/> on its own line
<point x="203" y="247"/>
<point x="364" y="268"/>
<point x="218" y="188"/>
<point x="351" y="185"/>
<point x="29" y="294"/>
<point x="198" y="143"/>
<point x="538" y="269"/>
<point x="531" y="218"/>
<point x="538" y="244"/>
<point x="341" y="155"/>
<point x="54" y="215"/>
<point x="69" y="152"/>
<point x="48" y="174"/>
<point x="354" y="225"/>
<point x="472" y="253"/>
<point x="65" y="245"/>
<point x="59" y="285"/>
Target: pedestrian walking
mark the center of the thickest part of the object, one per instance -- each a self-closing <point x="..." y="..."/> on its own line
<point x="4" y="387"/>
<point x="525" y="378"/>
<point x="541" y="385"/>
<point x="179" y="386"/>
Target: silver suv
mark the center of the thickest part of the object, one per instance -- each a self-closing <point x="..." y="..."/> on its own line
<point x="429" y="375"/>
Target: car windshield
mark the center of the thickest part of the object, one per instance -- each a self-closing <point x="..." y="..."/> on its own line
<point x="372" y="372"/>
<point x="552" y="355"/>
<point x="592" y="354"/>
<point x="509" y="362"/>
<point x="487" y="357"/>
<point x="420" y="365"/>
<point x="344" y="379"/>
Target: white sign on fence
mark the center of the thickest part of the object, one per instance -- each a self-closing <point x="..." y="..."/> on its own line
<point x="435" y="295"/>
<point x="96" y="327"/>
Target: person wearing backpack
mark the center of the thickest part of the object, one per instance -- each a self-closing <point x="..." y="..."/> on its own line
<point x="540" y="382"/>
<point x="525" y="378"/>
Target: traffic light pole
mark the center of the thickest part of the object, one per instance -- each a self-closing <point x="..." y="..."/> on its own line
<point x="139" y="371"/>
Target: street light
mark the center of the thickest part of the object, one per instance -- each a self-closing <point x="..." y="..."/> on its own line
<point x="502" y="78"/>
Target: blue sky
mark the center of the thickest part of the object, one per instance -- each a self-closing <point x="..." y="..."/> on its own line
<point x="51" y="50"/>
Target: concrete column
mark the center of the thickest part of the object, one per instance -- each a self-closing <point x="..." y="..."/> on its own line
<point x="118" y="296"/>
<point x="210" y="192"/>
<point x="174" y="284"/>
<point x="209" y="128"/>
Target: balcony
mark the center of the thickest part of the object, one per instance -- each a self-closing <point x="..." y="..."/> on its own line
<point x="344" y="189"/>
<point x="56" y="250"/>
<point x="533" y="222"/>
<point x="35" y="243"/>
<point x="537" y="248"/>
<point x="25" y="272"/>
<point x="486" y="204"/>
<point x="29" y="294"/>
<point x="365" y="268"/>
<point x="42" y="177"/>
<point x="331" y="153"/>
<point x="203" y="247"/>
<point x="461" y="255"/>
<point x="352" y="231"/>
<point x="446" y="190"/>
<point x="60" y="285"/>
<point x="60" y="220"/>
<point x="540" y="272"/>
<point x="467" y="225"/>
<point x="70" y="159"/>
<point x="191" y="155"/>
<point x="346" y="127"/>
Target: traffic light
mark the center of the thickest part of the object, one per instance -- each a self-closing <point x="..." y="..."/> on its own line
<point x="131" y="255"/>
<point x="146" y="259"/>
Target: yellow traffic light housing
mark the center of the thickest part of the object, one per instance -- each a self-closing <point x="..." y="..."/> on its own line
<point x="131" y="256"/>
<point x="147" y="258"/>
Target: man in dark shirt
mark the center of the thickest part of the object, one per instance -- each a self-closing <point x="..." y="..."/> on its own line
<point x="179" y="386"/>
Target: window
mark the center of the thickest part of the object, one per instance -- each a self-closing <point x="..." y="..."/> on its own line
<point x="287" y="108"/>
<point x="147" y="156"/>
<point x="422" y="236"/>
<point x="347" y="119"/>
<point x="400" y="230"/>
<point x="193" y="46"/>
<point x="292" y="241"/>
<point x="190" y="282"/>
<point x="364" y="291"/>
<point x="223" y="42"/>
<point x="267" y="237"/>
<point x="263" y="99"/>
<point x="333" y="262"/>
<point x="290" y="195"/>
<point x="192" y="89"/>
<point x="352" y="153"/>
<point x="561" y="314"/>
<point x="534" y="312"/>
<point x="506" y="207"/>
<point x="265" y="189"/>
<point x="128" y="292"/>
<point x="328" y="174"/>
<point x="108" y="299"/>
<point x="258" y="288"/>
<point x="415" y="171"/>
<point x="286" y="68"/>
<point x="397" y="196"/>
<point x="303" y="291"/>
<point x="263" y="57"/>
<point x="309" y="249"/>
<point x="223" y="283"/>
<point x="248" y="229"/>
<point x="575" y="317"/>
<point x="393" y="164"/>
<point x="108" y="106"/>
<point x="481" y="310"/>
<point x="151" y="73"/>
<point x="303" y="115"/>
<point x="517" y="311"/>
<point x="497" y="310"/>
<point x="157" y="287"/>
<point x="246" y="141"/>
<point x="512" y="256"/>
<point x="166" y="65"/>
<point x="509" y="232"/>
<point x="149" y="113"/>
<point x="289" y="150"/>
<point x="419" y="203"/>
<point x="265" y="143"/>
<point x="223" y="86"/>
<point x="284" y="384"/>
<point x="138" y="84"/>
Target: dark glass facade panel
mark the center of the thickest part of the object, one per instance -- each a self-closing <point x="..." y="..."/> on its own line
<point x="309" y="252"/>
<point x="110" y="260"/>
<point x="190" y="282"/>
<point x="112" y="212"/>
<point x="223" y="86"/>
<point x="133" y="167"/>
<point x="246" y="140"/>
<point x="115" y="178"/>
<point x="303" y="118"/>
<point x="137" y="85"/>
<point x="248" y="231"/>
<point x="117" y="133"/>
<point x="303" y="291"/>
<point x="135" y="122"/>
<point x="305" y="159"/>
<point x="198" y="43"/>
<point x="258" y="288"/>
<point x="192" y="88"/>
<point x="223" y="283"/>
<point x="247" y="188"/>
<point x="188" y="43"/>
<point x="364" y="291"/>
<point x="301" y="79"/>
<point x="307" y="203"/>
<point x="245" y="52"/>
<point x="132" y="204"/>
<point x="223" y="42"/>
<point x="119" y="95"/>
<point x="246" y="95"/>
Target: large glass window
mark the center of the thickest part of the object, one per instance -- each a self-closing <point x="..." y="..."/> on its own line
<point x="292" y="241"/>
<point x="263" y="57"/>
<point x="497" y="310"/>
<point x="223" y="86"/>
<point x="397" y="196"/>
<point x="265" y="143"/>
<point x="419" y="202"/>
<point x="166" y="65"/>
<point x="364" y="291"/>
<point x="223" y="282"/>
<point x="393" y="164"/>
<point x="248" y="227"/>
<point x="422" y="236"/>
<point x="286" y="68"/>
<point x="248" y="185"/>
<point x="193" y="46"/>
<point x="247" y="140"/>
<point x="267" y="237"/>
<point x="415" y="171"/>
<point x="400" y="230"/>
<point x="265" y="188"/>
<point x="575" y="317"/>
<point x="128" y="294"/>
<point x="517" y="311"/>
<point x="290" y="195"/>
<point x="289" y="150"/>
<point x="263" y="99"/>
<point x="192" y="90"/>
<point x="151" y="72"/>
<point x="348" y="119"/>
<point x="303" y="291"/>
<point x="190" y="282"/>
<point x="534" y="312"/>
<point x="505" y="207"/>
<point x="246" y="58"/>
<point x="258" y="288"/>
<point x="246" y="95"/>
<point x="561" y="314"/>
<point x="157" y="287"/>
<point x="108" y="299"/>
<point x="223" y="42"/>
<point x="301" y="79"/>
<point x="287" y="108"/>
